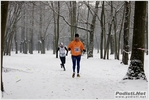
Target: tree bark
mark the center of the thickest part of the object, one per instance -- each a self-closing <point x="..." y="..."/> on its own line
<point x="4" y="11"/>
<point x="106" y="52"/>
<point x="87" y="31"/>
<point x="136" y="67"/>
<point x="25" y="32"/>
<point x="111" y="36"/>
<point x="92" y="28"/>
<point x="57" y="34"/>
<point x="32" y="32"/>
<point x="73" y="22"/>
<point x="126" y="34"/>
<point x="16" y="42"/>
<point x="13" y="17"/>
<point x="119" y="38"/>
<point x="146" y="30"/>
<point x="115" y="36"/>
<point x="102" y="31"/>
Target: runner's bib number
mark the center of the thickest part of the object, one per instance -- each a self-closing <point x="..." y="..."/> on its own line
<point x="76" y="49"/>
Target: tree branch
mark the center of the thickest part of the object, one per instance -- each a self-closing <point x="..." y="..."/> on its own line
<point x="67" y="21"/>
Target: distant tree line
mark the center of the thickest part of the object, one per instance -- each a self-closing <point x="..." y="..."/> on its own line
<point x="40" y="25"/>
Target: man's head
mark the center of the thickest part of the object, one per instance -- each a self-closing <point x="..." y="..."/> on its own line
<point x="76" y="37"/>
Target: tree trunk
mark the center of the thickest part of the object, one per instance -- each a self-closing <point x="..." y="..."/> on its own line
<point x="25" y="33"/>
<point x="87" y="31"/>
<point x="74" y="17"/>
<point x="108" y="41"/>
<point x="102" y="31"/>
<point x="8" y="43"/>
<point x="15" y="39"/>
<point x="104" y="28"/>
<point x="32" y="32"/>
<point x="106" y="51"/>
<point x="57" y="34"/>
<point x="119" y="38"/>
<point x="42" y="38"/>
<point x="147" y="30"/>
<point x="40" y="29"/>
<point x="4" y="11"/>
<point x="92" y="28"/>
<point x="147" y="37"/>
<point x="55" y="31"/>
<point x="73" y="22"/>
<point x="115" y="37"/>
<point x="136" y="68"/>
<point x="126" y="33"/>
<point x="112" y="44"/>
<point x="39" y="44"/>
<point x="111" y="36"/>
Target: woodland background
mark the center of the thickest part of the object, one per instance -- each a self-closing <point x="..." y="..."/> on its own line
<point x="42" y="25"/>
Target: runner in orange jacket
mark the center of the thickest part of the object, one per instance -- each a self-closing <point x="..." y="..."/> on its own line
<point x="76" y="47"/>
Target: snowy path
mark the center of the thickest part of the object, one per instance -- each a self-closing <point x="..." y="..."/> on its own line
<point x="40" y="77"/>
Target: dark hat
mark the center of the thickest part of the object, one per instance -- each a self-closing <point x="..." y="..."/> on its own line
<point x="76" y="35"/>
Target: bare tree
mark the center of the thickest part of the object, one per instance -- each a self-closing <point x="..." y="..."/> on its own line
<point x="102" y="22"/>
<point x="25" y="30"/>
<point x="42" y="38"/>
<point x="57" y="33"/>
<point x="136" y="67"/>
<point x="92" y="28"/>
<point x="73" y="22"/>
<point x="126" y="33"/>
<point x="56" y="15"/>
<point x="87" y="38"/>
<point x="146" y="30"/>
<point x="120" y="34"/>
<point x="109" y="34"/>
<point x="4" y="11"/>
<point x="32" y="31"/>
<point x="13" y="18"/>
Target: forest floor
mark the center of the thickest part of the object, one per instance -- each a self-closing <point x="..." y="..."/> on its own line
<point x="39" y="76"/>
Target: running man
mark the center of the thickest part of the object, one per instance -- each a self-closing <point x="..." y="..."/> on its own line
<point x="76" y="47"/>
<point x="62" y="54"/>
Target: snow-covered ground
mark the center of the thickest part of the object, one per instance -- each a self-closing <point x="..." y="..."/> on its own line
<point x="39" y="76"/>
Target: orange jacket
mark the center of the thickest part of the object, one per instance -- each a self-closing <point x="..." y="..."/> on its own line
<point x="76" y="47"/>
